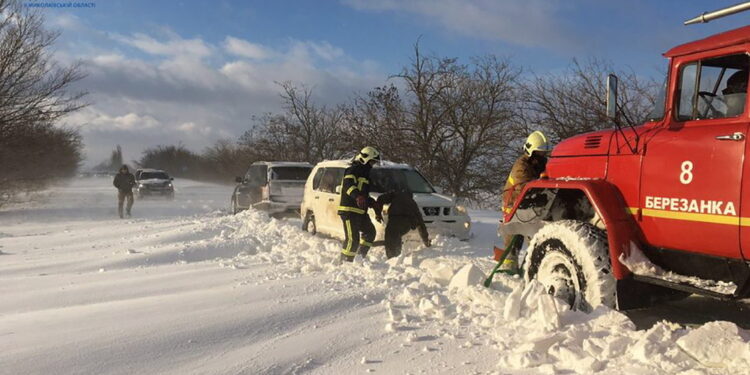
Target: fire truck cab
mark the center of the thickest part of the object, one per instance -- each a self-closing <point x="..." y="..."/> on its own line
<point x="660" y="209"/>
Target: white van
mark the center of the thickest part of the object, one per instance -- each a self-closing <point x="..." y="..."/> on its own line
<point x="275" y="187"/>
<point x="319" y="209"/>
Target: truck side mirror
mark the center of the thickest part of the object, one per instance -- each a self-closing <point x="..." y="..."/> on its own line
<point x="238" y="180"/>
<point x="612" y="97"/>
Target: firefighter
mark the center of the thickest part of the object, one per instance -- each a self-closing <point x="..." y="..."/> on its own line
<point x="403" y="216"/>
<point x="530" y="166"/>
<point x="735" y="93"/>
<point x="355" y="199"/>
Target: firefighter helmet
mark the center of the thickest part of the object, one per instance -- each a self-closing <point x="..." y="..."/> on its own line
<point x="367" y="155"/>
<point x="536" y="142"/>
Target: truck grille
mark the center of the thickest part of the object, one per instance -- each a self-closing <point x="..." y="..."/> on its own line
<point x="431" y="211"/>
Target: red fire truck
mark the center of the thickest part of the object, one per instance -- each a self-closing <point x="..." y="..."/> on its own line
<point x="660" y="209"/>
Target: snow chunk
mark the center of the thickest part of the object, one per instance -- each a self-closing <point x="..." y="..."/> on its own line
<point x="440" y="272"/>
<point x="718" y="344"/>
<point x="468" y="275"/>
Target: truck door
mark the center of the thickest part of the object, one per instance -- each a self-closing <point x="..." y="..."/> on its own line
<point x="692" y="168"/>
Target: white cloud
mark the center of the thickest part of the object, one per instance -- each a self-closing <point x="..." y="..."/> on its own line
<point x="179" y="94"/>
<point x="65" y="21"/>
<point x="175" y="46"/>
<point x="326" y="51"/>
<point x="534" y="23"/>
<point x="93" y="119"/>
<point x="243" y="48"/>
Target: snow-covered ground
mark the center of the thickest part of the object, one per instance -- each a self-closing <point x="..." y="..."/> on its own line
<point x="182" y="287"/>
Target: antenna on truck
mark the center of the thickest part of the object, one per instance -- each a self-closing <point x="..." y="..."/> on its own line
<point x="719" y="13"/>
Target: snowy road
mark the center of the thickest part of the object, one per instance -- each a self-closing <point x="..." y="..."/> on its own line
<point x="184" y="288"/>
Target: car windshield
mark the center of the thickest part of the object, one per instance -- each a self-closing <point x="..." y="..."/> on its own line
<point x="157" y="175"/>
<point x="290" y="173"/>
<point x="391" y="179"/>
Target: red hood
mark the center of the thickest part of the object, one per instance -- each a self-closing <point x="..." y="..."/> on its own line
<point x="594" y="143"/>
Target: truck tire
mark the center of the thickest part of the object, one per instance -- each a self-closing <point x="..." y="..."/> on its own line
<point x="308" y="224"/>
<point x="571" y="259"/>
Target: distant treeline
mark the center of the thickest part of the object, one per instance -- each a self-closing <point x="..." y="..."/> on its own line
<point x="33" y="95"/>
<point x="461" y="124"/>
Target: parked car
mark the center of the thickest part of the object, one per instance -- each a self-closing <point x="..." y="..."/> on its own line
<point x="275" y="187"/>
<point x="322" y="194"/>
<point x="153" y="182"/>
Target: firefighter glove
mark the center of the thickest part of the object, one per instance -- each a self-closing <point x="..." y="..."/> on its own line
<point x="362" y="202"/>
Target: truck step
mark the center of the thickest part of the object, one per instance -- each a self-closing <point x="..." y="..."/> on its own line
<point x="681" y="287"/>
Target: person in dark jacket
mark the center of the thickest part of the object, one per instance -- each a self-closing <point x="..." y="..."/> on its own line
<point x="355" y="200"/>
<point x="403" y="216"/>
<point x="124" y="182"/>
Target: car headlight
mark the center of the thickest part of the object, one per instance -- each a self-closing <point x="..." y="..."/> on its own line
<point x="461" y="210"/>
<point x="169" y="184"/>
<point x="141" y="185"/>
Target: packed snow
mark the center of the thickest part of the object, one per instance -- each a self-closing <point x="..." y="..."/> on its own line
<point x="183" y="287"/>
<point x="639" y="264"/>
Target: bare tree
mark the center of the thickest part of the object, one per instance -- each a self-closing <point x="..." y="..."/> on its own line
<point x="481" y="117"/>
<point x="226" y="159"/>
<point x="454" y="122"/>
<point x="574" y="102"/>
<point x="305" y="131"/>
<point x="314" y="129"/>
<point x="427" y="79"/>
<point x="33" y="87"/>
<point x="379" y="119"/>
<point x="34" y="93"/>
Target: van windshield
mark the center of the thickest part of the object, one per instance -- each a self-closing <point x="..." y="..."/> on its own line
<point x="389" y="179"/>
<point x="290" y="173"/>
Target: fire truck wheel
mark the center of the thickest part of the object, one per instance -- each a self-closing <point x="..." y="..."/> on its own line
<point x="571" y="259"/>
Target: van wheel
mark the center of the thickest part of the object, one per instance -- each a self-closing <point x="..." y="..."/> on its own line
<point x="571" y="259"/>
<point x="308" y="224"/>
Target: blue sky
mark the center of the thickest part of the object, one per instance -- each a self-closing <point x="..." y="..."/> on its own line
<point x="196" y="71"/>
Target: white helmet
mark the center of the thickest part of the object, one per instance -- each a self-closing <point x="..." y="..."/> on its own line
<point x="367" y="155"/>
<point x="536" y="142"/>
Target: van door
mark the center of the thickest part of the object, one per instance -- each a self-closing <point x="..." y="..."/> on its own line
<point x="329" y="202"/>
<point x="692" y="170"/>
<point x="312" y="198"/>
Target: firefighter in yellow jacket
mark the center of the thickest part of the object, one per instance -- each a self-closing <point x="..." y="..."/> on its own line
<point x="355" y="200"/>
<point x="530" y="166"/>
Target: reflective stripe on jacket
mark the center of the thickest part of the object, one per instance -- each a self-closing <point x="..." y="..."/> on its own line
<point x="356" y="182"/>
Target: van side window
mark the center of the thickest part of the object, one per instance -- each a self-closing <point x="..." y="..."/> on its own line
<point x="257" y="175"/>
<point x="331" y="178"/>
<point x="316" y="179"/>
<point x="713" y="88"/>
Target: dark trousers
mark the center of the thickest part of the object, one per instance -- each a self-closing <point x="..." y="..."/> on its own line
<point x="121" y="196"/>
<point x="354" y="224"/>
<point x="397" y="227"/>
